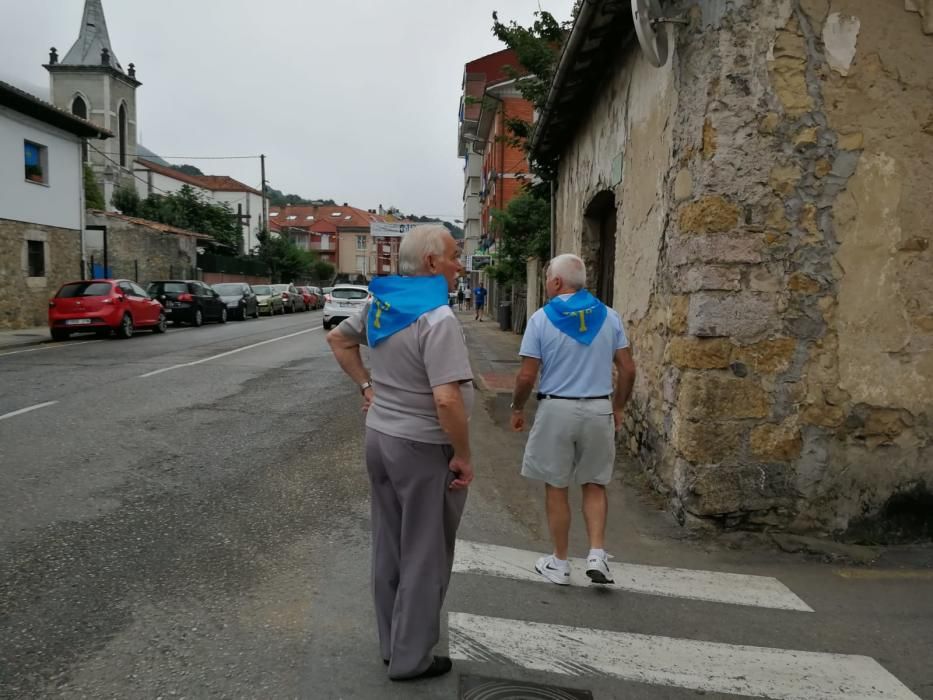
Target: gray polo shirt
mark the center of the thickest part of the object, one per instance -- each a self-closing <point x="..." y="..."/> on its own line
<point x="406" y="366"/>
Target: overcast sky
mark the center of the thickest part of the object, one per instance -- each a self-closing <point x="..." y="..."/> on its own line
<point x="354" y="100"/>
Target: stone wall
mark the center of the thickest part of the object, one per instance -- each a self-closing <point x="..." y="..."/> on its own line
<point x="142" y="253"/>
<point x="24" y="300"/>
<point x="773" y="260"/>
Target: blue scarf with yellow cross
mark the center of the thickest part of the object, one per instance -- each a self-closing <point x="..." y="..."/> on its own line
<point x="400" y="301"/>
<point x="581" y="316"/>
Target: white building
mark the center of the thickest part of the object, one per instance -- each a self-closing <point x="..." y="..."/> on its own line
<point x="41" y="203"/>
<point x="243" y="200"/>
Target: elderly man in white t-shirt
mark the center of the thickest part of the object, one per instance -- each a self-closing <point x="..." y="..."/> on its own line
<point x="574" y="341"/>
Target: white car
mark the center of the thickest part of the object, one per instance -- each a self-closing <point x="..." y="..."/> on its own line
<point x="343" y="301"/>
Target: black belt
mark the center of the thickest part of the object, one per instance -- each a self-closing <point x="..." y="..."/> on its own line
<point x="573" y="398"/>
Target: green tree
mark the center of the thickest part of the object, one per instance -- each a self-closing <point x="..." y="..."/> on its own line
<point x="93" y="197"/>
<point x="524" y="229"/>
<point x="188" y="170"/>
<point x="185" y="209"/>
<point x="323" y="270"/>
<point x="286" y="261"/>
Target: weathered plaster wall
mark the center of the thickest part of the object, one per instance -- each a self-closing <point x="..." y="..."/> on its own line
<point x="773" y="259"/>
<point x="631" y="120"/>
<point x="141" y="253"/>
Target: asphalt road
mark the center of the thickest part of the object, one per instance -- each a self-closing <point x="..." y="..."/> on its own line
<point x="187" y="516"/>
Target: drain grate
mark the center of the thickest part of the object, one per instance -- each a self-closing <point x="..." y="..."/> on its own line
<point x="481" y="688"/>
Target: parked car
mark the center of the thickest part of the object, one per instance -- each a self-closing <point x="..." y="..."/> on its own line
<point x="291" y="299"/>
<point x="103" y="305"/>
<point x="317" y="297"/>
<point x="188" y="301"/>
<point x="240" y="299"/>
<point x="270" y="302"/>
<point x="344" y="300"/>
<point x="306" y="297"/>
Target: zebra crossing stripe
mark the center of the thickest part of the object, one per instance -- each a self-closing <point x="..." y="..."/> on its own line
<point x="712" y="586"/>
<point x="782" y="674"/>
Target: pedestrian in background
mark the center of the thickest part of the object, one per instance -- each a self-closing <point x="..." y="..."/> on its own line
<point x="574" y="340"/>
<point x="417" y="400"/>
<point x="467" y="297"/>
<point x="460" y="299"/>
<point x="479" y="299"/>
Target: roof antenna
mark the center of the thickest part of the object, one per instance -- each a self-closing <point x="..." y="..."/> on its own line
<point x="648" y="15"/>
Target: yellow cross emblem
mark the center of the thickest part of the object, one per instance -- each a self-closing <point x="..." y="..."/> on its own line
<point x="380" y="307"/>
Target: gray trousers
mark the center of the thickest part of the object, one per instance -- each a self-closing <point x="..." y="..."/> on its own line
<point x="414" y="519"/>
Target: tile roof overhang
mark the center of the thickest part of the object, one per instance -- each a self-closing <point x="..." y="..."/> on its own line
<point x="601" y="33"/>
<point x="30" y="105"/>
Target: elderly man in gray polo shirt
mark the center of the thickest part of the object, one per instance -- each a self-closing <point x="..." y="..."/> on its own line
<point x="417" y="399"/>
<point x="574" y="342"/>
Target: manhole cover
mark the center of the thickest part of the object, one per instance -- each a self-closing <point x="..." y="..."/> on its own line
<point x="480" y="688"/>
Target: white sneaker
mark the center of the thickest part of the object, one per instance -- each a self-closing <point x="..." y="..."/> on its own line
<point x="598" y="570"/>
<point x="552" y="572"/>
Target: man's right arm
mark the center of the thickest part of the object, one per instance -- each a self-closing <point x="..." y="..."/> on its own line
<point x="346" y="349"/>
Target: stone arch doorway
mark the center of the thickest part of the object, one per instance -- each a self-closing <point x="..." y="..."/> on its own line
<point x="599" y="245"/>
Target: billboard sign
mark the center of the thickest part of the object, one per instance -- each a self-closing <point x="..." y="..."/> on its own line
<point x="384" y="230"/>
<point x="475" y="263"/>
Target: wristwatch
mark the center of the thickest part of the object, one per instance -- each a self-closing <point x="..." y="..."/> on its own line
<point x="516" y="409"/>
<point x="364" y="386"/>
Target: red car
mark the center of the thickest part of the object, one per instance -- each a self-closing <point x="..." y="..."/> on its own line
<point x="103" y="306"/>
<point x="307" y="297"/>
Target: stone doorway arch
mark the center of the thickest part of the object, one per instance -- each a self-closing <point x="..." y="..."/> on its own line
<point x="599" y="245"/>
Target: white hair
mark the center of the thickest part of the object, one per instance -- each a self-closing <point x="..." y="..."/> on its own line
<point x="570" y="269"/>
<point x="419" y="243"/>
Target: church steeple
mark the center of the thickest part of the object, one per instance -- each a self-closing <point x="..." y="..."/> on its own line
<point x="90" y="82"/>
<point x="93" y="40"/>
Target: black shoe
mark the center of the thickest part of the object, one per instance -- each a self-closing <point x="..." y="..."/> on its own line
<point x="439" y="666"/>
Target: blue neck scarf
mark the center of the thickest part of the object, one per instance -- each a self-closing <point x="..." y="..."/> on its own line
<point x="581" y="316"/>
<point x="399" y="301"/>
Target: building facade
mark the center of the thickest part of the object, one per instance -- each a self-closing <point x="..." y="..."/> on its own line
<point x="338" y="234"/>
<point x="493" y="169"/>
<point x="91" y="83"/>
<point x="757" y="209"/>
<point x="41" y="203"/>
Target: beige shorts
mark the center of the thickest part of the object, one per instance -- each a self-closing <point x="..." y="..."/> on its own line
<point x="571" y="442"/>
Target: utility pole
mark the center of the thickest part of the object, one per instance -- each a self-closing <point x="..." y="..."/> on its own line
<point x="265" y="207"/>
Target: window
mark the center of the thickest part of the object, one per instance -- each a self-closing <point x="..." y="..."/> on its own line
<point x="35" y="252"/>
<point x="360" y="263"/>
<point x="349" y="293"/>
<point x="139" y="291"/>
<point x="84" y="289"/>
<point x="361" y="242"/>
<point x="122" y="126"/>
<point x="79" y="107"/>
<point x="36" y="162"/>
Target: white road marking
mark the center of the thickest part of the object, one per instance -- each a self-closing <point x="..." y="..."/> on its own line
<point x="50" y="346"/>
<point x="714" y="586"/>
<point x="27" y="410"/>
<point x="782" y="674"/>
<point x="229" y="352"/>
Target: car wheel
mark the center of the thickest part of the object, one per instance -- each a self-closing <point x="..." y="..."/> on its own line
<point x="59" y="335"/>
<point x="256" y="315"/>
<point x="160" y="326"/>
<point x="326" y="325"/>
<point x="198" y="319"/>
<point x="243" y="314"/>
<point x="223" y="315"/>
<point x="125" y="329"/>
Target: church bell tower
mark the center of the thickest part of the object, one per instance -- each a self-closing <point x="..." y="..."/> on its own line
<point x="90" y="83"/>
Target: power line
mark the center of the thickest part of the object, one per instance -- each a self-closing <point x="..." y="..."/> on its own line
<point x="187" y="157"/>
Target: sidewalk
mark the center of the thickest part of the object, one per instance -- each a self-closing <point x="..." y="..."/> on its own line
<point x="639" y="518"/>
<point x="24" y="336"/>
